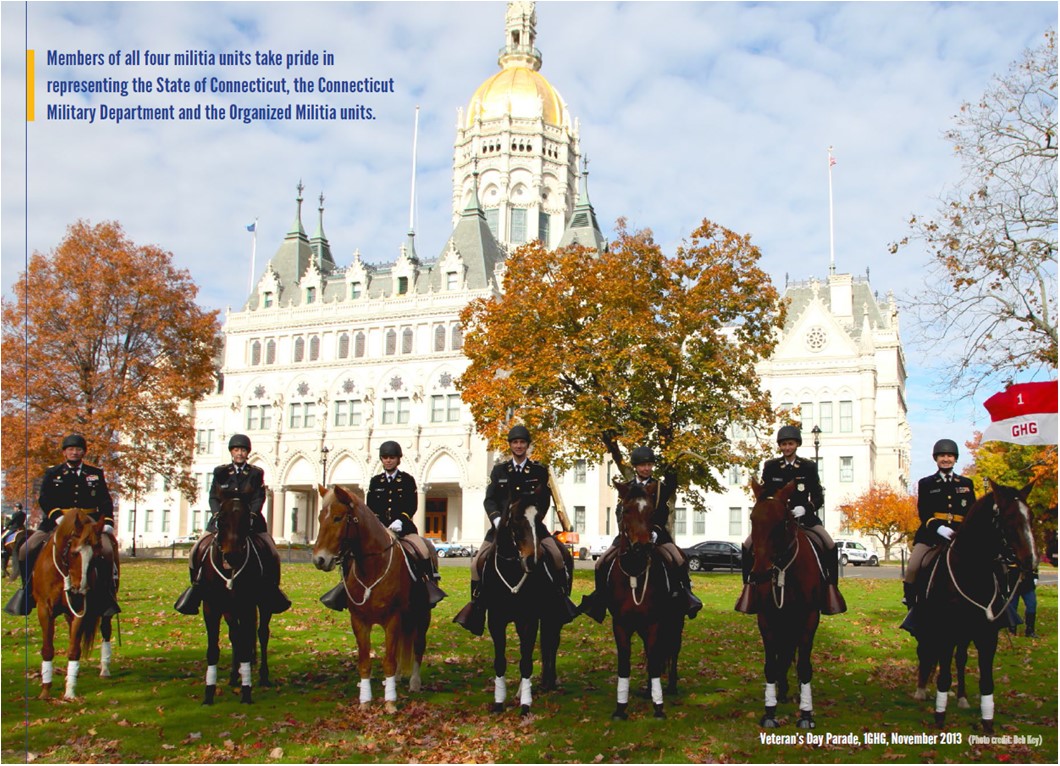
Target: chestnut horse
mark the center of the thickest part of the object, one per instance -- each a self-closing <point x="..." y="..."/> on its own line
<point x="68" y="580"/>
<point x="788" y="584"/>
<point x="520" y="584"/>
<point x="965" y="594"/>
<point x="233" y="587"/>
<point x="381" y="589"/>
<point x="638" y="597"/>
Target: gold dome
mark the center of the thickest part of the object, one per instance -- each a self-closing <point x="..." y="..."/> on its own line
<point x="520" y="92"/>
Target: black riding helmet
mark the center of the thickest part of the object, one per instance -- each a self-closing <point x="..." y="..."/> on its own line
<point x="390" y="449"/>
<point x="789" y="432"/>
<point x="239" y="440"/>
<point x="75" y="440"/>
<point x="641" y="455"/>
<point x="945" y="447"/>
<point x="518" y="432"/>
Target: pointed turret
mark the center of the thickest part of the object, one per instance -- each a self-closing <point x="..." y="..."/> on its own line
<point x="582" y="228"/>
<point x="473" y="244"/>
<point x="321" y="249"/>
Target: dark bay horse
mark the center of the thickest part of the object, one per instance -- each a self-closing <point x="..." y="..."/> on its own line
<point x="965" y="594"/>
<point x="788" y="584"/>
<point x="381" y="589"/>
<point x="521" y="584"/>
<point x="68" y="580"/>
<point x="234" y="588"/>
<point x="638" y="597"/>
<point x="13" y="542"/>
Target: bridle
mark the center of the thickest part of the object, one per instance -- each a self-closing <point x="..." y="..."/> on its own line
<point x="67" y="582"/>
<point x="215" y="549"/>
<point x="497" y="555"/>
<point x="777" y="572"/>
<point x="349" y="556"/>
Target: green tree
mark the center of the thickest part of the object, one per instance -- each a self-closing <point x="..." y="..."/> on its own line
<point x="599" y="352"/>
<point x="883" y="512"/>
<point x="104" y="338"/>
<point x="988" y="309"/>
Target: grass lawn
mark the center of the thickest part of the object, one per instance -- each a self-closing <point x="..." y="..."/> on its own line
<point x="150" y="710"/>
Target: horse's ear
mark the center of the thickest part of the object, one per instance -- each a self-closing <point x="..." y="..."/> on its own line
<point x="621" y="486"/>
<point x="1026" y="491"/>
<point x="322" y="490"/>
<point x="343" y="494"/>
<point x="757" y="489"/>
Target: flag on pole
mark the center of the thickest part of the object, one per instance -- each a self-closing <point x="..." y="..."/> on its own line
<point x="831" y="161"/>
<point x="252" y="226"/>
<point x="1024" y="413"/>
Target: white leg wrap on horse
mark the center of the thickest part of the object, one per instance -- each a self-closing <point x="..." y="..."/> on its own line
<point x="104" y="653"/>
<point x="72" y="668"/>
<point x="656" y="691"/>
<point x="940" y="701"/>
<point x="623" y="691"/>
<point x="366" y="690"/>
<point x="244" y="673"/>
<point x="986" y="706"/>
<point x="771" y="695"/>
<point x="500" y="690"/>
<point x="390" y="689"/>
<point x="525" y="697"/>
<point x="47" y="670"/>
<point x="805" y="697"/>
<point x="211" y="675"/>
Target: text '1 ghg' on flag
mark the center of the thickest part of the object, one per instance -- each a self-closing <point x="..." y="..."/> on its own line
<point x="1024" y="413"/>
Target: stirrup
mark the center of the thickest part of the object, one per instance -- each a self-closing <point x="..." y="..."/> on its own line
<point x="693" y="606"/>
<point x="335" y="598"/>
<point x="593" y="606"/>
<point x="834" y="603"/>
<point x="746" y="603"/>
<point x="434" y="593"/>
<point x="472" y="618"/>
<point x="189" y="600"/>
<point x="20" y="604"/>
<point x="279" y="602"/>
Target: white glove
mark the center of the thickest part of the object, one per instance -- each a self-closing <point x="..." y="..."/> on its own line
<point x="654" y="536"/>
<point x="798" y="511"/>
<point x="496" y="522"/>
<point x="108" y="529"/>
<point x="946" y="532"/>
<point x="395" y="526"/>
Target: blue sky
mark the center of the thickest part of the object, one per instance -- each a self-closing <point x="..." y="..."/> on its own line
<point x="686" y="111"/>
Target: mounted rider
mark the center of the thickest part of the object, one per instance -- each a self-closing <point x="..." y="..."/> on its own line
<point x="15" y="523"/>
<point x="392" y="498"/>
<point x="661" y="492"/>
<point x="518" y="476"/>
<point x="237" y="479"/>
<point x="803" y="504"/>
<point x="70" y="484"/>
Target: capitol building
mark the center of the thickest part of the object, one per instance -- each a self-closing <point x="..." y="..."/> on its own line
<point x="328" y="359"/>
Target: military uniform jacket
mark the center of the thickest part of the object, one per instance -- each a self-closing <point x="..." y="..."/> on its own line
<point x="808" y="493"/>
<point x="248" y="482"/>
<point x="17" y="521"/>
<point x="394" y="500"/>
<point x="64" y="486"/>
<point x="506" y="484"/>
<point x="940" y="502"/>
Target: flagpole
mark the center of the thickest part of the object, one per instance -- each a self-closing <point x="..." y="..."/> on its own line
<point x="412" y="196"/>
<point x="253" y="256"/>
<point x="831" y="217"/>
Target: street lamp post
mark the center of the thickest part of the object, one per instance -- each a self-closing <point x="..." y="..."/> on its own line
<point x="324" y="460"/>
<point x="816" y="431"/>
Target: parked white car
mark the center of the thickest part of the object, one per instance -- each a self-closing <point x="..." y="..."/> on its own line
<point x="853" y="552"/>
<point x="593" y="547"/>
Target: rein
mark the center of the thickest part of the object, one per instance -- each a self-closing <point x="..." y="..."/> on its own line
<point x="988" y="611"/>
<point x="67" y="585"/>
<point x="634" y="577"/>
<point x="230" y="581"/>
<point x="348" y="555"/>
<point x="526" y="572"/>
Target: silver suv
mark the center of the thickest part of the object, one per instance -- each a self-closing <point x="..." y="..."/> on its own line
<point x="852" y="552"/>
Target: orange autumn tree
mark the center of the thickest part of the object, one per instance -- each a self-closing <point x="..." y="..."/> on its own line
<point x="600" y="352"/>
<point x="103" y="338"/>
<point x="884" y="513"/>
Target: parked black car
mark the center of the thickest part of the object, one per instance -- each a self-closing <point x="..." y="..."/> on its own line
<point x="713" y="554"/>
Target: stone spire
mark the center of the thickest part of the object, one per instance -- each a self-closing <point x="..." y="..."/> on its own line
<point x="520" y="30"/>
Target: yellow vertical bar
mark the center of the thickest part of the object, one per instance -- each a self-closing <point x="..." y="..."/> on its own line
<point x="29" y="86"/>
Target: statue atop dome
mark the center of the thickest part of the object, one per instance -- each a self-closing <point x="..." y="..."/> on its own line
<point x="520" y="30"/>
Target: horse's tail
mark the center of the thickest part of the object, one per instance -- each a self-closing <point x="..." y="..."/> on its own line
<point x="86" y="634"/>
<point x="406" y="643"/>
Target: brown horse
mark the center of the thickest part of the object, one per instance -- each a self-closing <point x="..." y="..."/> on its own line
<point x="638" y="597"/>
<point x="68" y="580"/>
<point x="234" y="587"/>
<point x="381" y="589"/>
<point x="965" y="594"/>
<point x="788" y="585"/>
<point x="521" y="584"/>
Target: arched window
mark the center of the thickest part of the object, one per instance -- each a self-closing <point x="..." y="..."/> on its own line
<point x="314" y="348"/>
<point x="270" y="352"/>
<point x="255" y="352"/>
<point x="299" y="349"/>
<point x="358" y="345"/>
<point x="439" y="338"/>
<point x="458" y="338"/>
<point x="344" y="346"/>
<point x="391" y="343"/>
<point x="406" y="341"/>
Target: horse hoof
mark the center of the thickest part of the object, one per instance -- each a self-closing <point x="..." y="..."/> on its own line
<point x="940" y="720"/>
<point x="415" y="685"/>
<point x="497" y="707"/>
<point x="806" y="722"/>
<point x="390" y="706"/>
<point x="620" y="715"/>
<point x="920" y="694"/>
<point x="104" y="673"/>
<point x="524" y="710"/>
<point x="962" y="703"/>
<point x="210" y="692"/>
<point x="264" y="682"/>
<point x="659" y="712"/>
<point x="988" y="726"/>
<point x="244" y="696"/>
<point x="768" y="722"/>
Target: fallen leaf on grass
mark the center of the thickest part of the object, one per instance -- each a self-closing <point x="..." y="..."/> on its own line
<point x="276" y="752"/>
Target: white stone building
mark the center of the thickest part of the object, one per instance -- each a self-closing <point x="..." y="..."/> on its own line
<point x="325" y="362"/>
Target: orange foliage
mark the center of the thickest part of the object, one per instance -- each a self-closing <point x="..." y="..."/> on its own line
<point x="884" y="513"/>
<point x="103" y="338"/>
<point x="600" y="352"/>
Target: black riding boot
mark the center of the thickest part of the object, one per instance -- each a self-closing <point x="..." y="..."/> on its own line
<point x="746" y="602"/>
<point x="22" y="603"/>
<point x="910" y="600"/>
<point x="188" y="601"/>
<point x="473" y="616"/>
<point x="335" y="598"/>
<point x="833" y="599"/>
<point x="430" y="578"/>
<point x="693" y="604"/>
<point x="593" y="603"/>
<point x="1029" y="631"/>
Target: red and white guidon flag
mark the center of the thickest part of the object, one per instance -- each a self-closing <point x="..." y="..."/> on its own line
<point x="1024" y="413"/>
